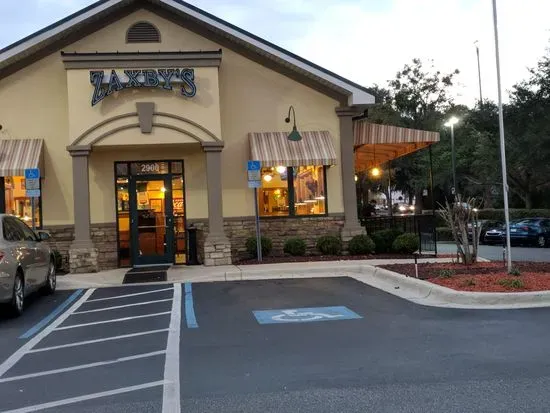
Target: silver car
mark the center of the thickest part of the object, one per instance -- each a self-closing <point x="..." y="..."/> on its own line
<point x="27" y="264"/>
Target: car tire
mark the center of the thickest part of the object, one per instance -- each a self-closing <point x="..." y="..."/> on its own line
<point x="51" y="280"/>
<point x="17" y="303"/>
<point x="541" y="241"/>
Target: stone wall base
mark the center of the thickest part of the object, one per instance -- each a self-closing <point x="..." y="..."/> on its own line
<point x="83" y="260"/>
<point x="217" y="251"/>
<point x="104" y="239"/>
<point x="238" y="230"/>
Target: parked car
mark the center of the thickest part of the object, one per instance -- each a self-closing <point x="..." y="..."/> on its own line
<point x="532" y="231"/>
<point x="27" y="264"/>
<point x="494" y="235"/>
<point x="484" y="225"/>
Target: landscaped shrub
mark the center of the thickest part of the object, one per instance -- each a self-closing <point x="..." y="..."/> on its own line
<point x="444" y="234"/>
<point x="383" y="240"/>
<point x="329" y="245"/>
<point x="251" y="246"/>
<point x="295" y="247"/>
<point x="361" y="245"/>
<point x="406" y="243"/>
<point x="512" y="283"/>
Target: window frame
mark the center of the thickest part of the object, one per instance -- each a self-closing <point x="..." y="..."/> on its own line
<point x="292" y="195"/>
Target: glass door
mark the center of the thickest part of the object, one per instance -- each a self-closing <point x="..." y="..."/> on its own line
<point x="151" y="220"/>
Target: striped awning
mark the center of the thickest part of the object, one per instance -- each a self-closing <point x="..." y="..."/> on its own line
<point x="377" y="144"/>
<point x="274" y="149"/>
<point x="16" y="155"/>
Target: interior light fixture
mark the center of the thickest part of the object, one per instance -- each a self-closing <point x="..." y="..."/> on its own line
<point x="163" y="189"/>
<point x="268" y="178"/>
<point x="281" y="169"/>
<point x="375" y="172"/>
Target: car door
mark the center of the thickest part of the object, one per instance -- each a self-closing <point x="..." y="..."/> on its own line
<point x="33" y="262"/>
<point x="17" y="249"/>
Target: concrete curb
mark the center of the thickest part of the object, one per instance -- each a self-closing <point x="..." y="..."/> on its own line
<point x="427" y="293"/>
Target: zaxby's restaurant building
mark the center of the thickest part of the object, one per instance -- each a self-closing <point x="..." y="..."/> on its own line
<point x="142" y="114"/>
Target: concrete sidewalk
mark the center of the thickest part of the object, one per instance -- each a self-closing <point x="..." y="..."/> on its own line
<point x="235" y="273"/>
<point x="367" y="271"/>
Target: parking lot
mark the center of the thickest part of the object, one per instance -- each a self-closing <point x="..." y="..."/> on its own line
<point x="308" y="345"/>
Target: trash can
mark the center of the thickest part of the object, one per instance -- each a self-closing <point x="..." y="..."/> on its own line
<point x="192" y="256"/>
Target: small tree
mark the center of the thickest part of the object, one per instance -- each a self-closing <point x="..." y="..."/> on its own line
<point x="459" y="216"/>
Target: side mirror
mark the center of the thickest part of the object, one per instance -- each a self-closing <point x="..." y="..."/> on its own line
<point x="43" y="236"/>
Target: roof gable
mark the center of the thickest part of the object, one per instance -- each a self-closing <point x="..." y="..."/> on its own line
<point x="290" y="63"/>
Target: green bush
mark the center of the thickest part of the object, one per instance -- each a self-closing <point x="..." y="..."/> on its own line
<point x="406" y="243"/>
<point x="498" y="214"/>
<point x="512" y="283"/>
<point x="515" y="271"/>
<point x="444" y="234"/>
<point x="329" y="245"/>
<point x="383" y="240"/>
<point x="361" y="245"/>
<point x="446" y="273"/>
<point x="295" y="247"/>
<point x="251" y="246"/>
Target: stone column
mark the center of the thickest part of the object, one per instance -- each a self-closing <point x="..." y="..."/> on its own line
<point x="83" y="256"/>
<point x="217" y="247"/>
<point x="352" y="225"/>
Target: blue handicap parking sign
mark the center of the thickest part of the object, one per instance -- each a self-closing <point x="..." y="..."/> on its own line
<point x="305" y="315"/>
<point x="254" y="166"/>
<point x="32" y="173"/>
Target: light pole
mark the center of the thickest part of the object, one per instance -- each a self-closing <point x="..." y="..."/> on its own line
<point x="479" y="74"/>
<point x="451" y="124"/>
<point x="502" y="144"/>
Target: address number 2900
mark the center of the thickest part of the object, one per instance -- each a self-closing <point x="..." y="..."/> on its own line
<point x="150" y="167"/>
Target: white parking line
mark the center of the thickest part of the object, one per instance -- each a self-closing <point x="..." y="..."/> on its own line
<point x="129" y="295"/>
<point x="99" y="340"/>
<point x="116" y="320"/>
<point x="83" y="398"/>
<point x="82" y="366"/>
<point x="97" y="310"/>
<point x="171" y="402"/>
<point x="15" y="357"/>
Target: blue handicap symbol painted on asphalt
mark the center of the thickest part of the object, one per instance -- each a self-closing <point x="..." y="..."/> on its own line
<point x="305" y="315"/>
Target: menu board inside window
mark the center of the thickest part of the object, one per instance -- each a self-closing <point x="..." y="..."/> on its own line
<point x="149" y="168"/>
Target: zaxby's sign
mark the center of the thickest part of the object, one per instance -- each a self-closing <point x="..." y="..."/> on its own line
<point x="150" y="78"/>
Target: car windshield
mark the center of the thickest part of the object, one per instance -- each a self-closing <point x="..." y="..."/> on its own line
<point x="526" y="222"/>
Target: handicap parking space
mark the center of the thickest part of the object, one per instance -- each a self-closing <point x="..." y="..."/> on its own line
<point x="108" y="343"/>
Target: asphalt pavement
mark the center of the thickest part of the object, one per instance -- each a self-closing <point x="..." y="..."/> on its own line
<point x="302" y="345"/>
<point x="494" y="252"/>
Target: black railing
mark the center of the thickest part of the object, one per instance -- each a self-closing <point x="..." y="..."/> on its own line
<point x="422" y="225"/>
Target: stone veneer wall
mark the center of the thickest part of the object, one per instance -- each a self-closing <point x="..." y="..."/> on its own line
<point x="103" y="237"/>
<point x="278" y="229"/>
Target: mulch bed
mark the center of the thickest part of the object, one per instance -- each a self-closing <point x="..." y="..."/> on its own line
<point x="318" y="258"/>
<point x="481" y="277"/>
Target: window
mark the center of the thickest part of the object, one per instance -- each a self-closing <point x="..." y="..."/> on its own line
<point x="293" y="191"/>
<point x="28" y="233"/>
<point x="11" y="231"/>
<point x="18" y="204"/>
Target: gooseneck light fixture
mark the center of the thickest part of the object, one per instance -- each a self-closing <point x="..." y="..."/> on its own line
<point x="294" y="135"/>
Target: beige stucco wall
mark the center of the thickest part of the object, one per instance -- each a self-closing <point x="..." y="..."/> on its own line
<point x="46" y="101"/>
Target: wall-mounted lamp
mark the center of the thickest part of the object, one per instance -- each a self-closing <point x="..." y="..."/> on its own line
<point x="294" y="135"/>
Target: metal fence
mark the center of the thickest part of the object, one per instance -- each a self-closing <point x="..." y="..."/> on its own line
<point x="422" y="225"/>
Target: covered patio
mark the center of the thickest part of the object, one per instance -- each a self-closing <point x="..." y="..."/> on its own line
<point x="375" y="147"/>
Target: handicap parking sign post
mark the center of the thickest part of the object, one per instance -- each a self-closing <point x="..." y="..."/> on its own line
<point x="254" y="171"/>
<point x="32" y="188"/>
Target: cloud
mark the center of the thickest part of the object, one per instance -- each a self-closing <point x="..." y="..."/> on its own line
<point x="367" y="41"/>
